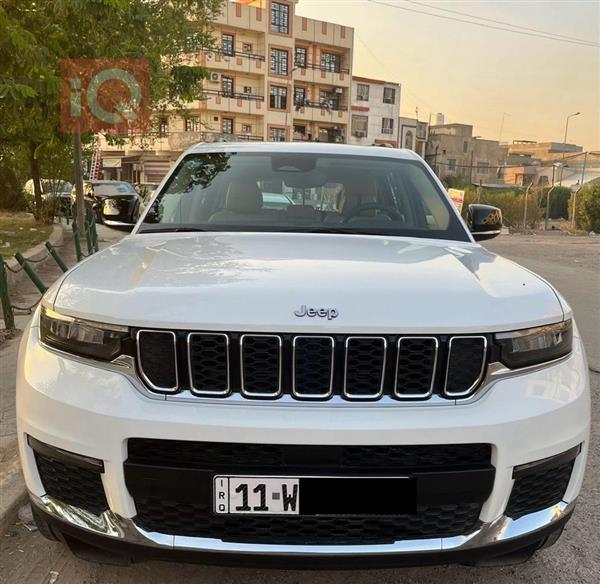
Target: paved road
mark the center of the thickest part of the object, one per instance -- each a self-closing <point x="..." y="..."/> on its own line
<point x="26" y="558"/>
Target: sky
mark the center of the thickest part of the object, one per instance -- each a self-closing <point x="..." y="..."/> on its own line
<point x="475" y="75"/>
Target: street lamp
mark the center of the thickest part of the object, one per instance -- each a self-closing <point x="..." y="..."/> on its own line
<point x="567" y="126"/>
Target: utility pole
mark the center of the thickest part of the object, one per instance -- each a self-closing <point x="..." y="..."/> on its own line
<point x="565" y="141"/>
<point x="504" y="114"/>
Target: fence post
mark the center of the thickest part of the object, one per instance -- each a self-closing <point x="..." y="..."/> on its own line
<point x="88" y="238"/>
<point x="31" y="273"/>
<point x="95" y="234"/>
<point x="56" y="257"/>
<point x="77" y="241"/>
<point x="9" y="317"/>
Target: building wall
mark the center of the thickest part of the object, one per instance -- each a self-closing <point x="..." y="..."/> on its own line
<point x="413" y="135"/>
<point x="375" y="109"/>
<point x="453" y="151"/>
<point x="543" y="151"/>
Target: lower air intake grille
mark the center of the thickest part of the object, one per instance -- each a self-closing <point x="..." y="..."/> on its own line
<point x="71" y="484"/>
<point x="195" y="520"/>
<point x="539" y="490"/>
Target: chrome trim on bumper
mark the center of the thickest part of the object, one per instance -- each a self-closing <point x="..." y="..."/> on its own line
<point x="110" y="524"/>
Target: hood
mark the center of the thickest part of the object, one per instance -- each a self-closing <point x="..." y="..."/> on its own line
<point x="257" y="281"/>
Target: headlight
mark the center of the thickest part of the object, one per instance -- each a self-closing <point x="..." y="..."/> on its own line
<point x="535" y="345"/>
<point x="82" y="337"/>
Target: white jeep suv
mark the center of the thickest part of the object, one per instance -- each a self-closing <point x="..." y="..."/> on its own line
<point x="302" y="356"/>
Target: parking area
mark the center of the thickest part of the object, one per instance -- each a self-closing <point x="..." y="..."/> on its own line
<point x="572" y="265"/>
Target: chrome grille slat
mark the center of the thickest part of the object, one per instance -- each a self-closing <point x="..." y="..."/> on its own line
<point x="322" y="373"/>
<point x="413" y="374"/>
<point x="210" y="368"/>
<point x="360" y="368"/>
<point x="265" y="372"/>
<point x="461" y="362"/>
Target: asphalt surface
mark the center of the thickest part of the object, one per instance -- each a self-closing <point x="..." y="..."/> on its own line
<point x="572" y="264"/>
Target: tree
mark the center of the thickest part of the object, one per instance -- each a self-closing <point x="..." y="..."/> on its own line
<point x="35" y="36"/>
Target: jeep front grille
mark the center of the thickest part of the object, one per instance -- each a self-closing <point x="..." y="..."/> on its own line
<point x="311" y="367"/>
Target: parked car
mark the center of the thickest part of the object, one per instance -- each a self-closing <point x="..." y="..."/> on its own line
<point x="360" y="386"/>
<point x="51" y="189"/>
<point x="114" y="203"/>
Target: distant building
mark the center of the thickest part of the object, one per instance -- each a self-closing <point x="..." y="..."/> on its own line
<point x="413" y="135"/>
<point x="374" y="111"/>
<point x="543" y="151"/>
<point x="452" y="150"/>
<point x="439" y="119"/>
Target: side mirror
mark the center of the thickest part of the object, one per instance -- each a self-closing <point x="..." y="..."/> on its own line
<point x="484" y="221"/>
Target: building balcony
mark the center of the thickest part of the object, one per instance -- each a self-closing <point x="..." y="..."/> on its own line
<point x="232" y="102"/>
<point x="235" y="61"/>
<point x="183" y="140"/>
<point x="321" y="111"/>
<point x="322" y="74"/>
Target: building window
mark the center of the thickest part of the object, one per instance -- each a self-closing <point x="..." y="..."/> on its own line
<point x="279" y="62"/>
<point x="277" y="135"/>
<point x="228" y="44"/>
<point x="299" y="96"/>
<point x="483" y="167"/>
<point x="246" y="129"/>
<point x="330" y="62"/>
<point x="465" y="146"/>
<point x="192" y="124"/>
<point x="278" y="97"/>
<point x="227" y="126"/>
<point x="408" y="140"/>
<point x="362" y="92"/>
<point x="387" y="125"/>
<point x="163" y="127"/>
<point x="280" y="17"/>
<point x="227" y="86"/>
<point x="300" y="57"/>
<point x="359" y="126"/>
<point x="389" y="95"/>
<point x="451" y="164"/>
<point x="299" y="130"/>
<point x="247" y="47"/>
<point x="328" y="100"/>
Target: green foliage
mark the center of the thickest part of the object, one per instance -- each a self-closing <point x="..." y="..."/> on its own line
<point x="587" y="208"/>
<point x="455" y="182"/>
<point x="511" y="202"/>
<point x="559" y="202"/>
<point x="35" y="36"/>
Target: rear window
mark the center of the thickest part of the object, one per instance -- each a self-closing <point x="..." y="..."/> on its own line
<point x="222" y="191"/>
<point x="116" y="188"/>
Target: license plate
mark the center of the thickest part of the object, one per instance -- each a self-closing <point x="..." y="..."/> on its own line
<point x="256" y="495"/>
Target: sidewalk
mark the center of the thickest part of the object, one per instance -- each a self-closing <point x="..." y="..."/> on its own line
<point x="12" y="489"/>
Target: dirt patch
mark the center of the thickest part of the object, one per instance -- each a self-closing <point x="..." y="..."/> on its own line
<point x="19" y="232"/>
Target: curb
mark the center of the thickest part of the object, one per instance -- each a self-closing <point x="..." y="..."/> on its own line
<point x="35" y="253"/>
<point x="12" y="487"/>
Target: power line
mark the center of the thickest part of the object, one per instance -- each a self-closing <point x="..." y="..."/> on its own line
<point x="553" y="34"/>
<point x="481" y="24"/>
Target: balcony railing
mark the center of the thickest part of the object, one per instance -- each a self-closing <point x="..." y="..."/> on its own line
<point x="325" y="104"/>
<point x="321" y="67"/>
<point x="181" y="140"/>
<point x="243" y="54"/>
<point x="234" y="95"/>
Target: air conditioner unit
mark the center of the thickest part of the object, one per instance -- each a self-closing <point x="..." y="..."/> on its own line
<point x="247" y="89"/>
<point x="339" y="90"/>
<point x="215" y="77"/>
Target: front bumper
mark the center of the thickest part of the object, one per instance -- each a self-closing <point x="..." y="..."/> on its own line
<point x="93" y="412"/>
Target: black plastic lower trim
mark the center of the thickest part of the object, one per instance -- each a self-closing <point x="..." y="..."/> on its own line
<point x="110" y="550"/>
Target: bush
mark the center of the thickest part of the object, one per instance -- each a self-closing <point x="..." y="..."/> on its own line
<point x="11" y="195"/>
<point x="588" y="208"/>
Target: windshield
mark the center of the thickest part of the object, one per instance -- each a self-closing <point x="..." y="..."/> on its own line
<point x="113" y="188"/>
<point x="303" y="192"/>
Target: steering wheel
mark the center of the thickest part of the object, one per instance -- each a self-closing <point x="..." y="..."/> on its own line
<point x="391" y="213"/>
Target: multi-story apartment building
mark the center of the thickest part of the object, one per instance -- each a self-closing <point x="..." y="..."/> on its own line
<point x="375" y="108"/>
<point x="273" y="75"/>
<point x="452" y="150"/>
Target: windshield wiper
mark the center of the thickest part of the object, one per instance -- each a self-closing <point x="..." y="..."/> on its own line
<point x="171" y="229"/>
